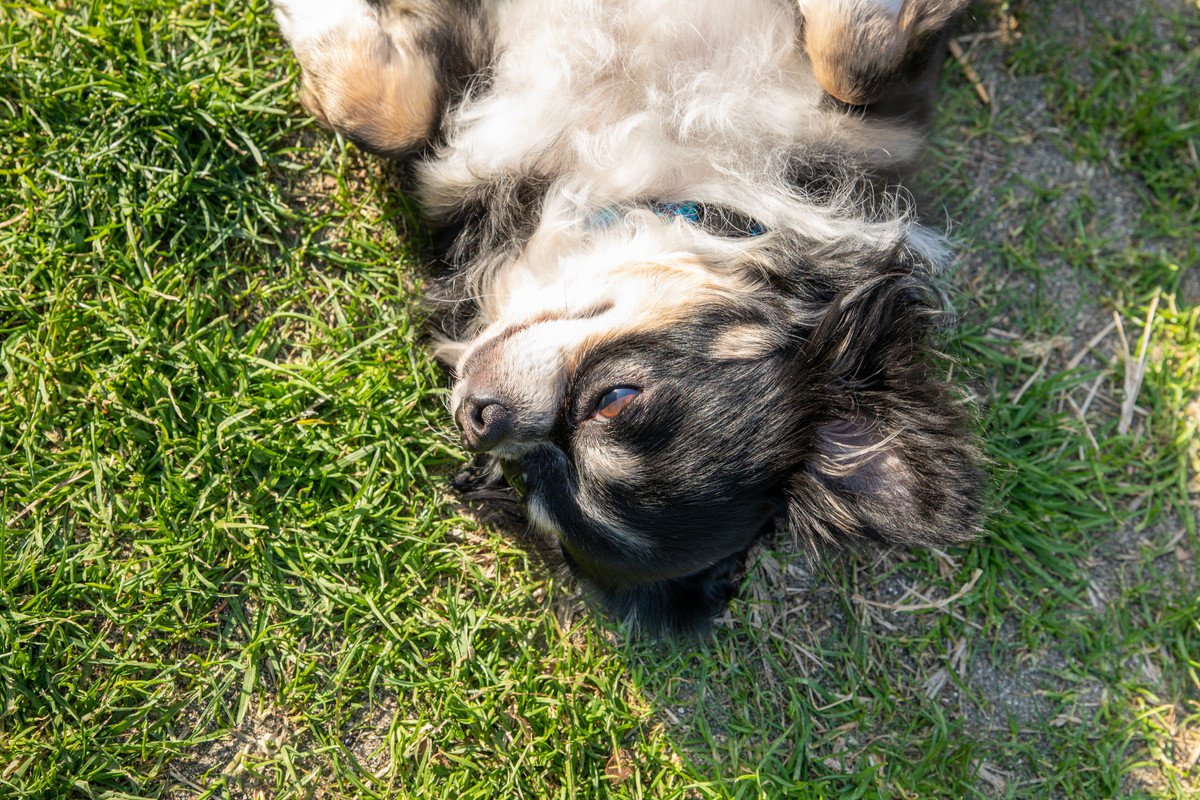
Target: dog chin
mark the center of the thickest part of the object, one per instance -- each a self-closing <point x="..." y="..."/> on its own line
<point x="656" y="593"/>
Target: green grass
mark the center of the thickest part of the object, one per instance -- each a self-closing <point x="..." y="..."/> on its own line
<point x="231" y="565"/>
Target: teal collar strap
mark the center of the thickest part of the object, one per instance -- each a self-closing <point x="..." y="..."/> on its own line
<point x="714" y="219"/>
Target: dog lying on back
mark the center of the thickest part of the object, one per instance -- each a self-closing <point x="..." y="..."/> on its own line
<point x="689" y="298"/>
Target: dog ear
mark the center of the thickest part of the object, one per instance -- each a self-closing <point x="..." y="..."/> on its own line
<point x="894" y="461"/>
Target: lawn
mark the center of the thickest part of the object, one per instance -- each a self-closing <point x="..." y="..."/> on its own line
<point x="232" y="564"/>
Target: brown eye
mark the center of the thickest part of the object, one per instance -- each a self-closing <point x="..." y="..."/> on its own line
<point x="614" y="401"/>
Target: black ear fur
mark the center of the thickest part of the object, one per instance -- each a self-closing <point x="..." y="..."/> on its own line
<point x="894" y="461"/>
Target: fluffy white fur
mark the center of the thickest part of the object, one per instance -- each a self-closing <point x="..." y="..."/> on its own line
<point x="622" y="101"/>
<point x="305" y="21"/>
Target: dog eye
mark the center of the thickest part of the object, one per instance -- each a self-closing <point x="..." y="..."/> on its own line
<point x="614" y="402"/>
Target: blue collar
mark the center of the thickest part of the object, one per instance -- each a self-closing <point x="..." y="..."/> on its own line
<point x="713" y="218"/>
<point x="688" y="210"/>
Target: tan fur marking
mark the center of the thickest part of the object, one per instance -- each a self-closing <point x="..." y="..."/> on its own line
<point x="358" y="83"/>
<point x="852" y="42"/>
<point x="693" y="285"/>
<point x="702" y="280"/>
<point x="744" y="343"/>
<point x="669" y="317"/>
<point x="610" y="464"/>
<point x="849" y="39"/>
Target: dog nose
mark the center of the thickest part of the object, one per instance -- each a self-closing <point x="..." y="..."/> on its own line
<point x="485" y="423"/>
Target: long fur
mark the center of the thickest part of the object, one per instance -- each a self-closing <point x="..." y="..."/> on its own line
<point x="778" y="337"/>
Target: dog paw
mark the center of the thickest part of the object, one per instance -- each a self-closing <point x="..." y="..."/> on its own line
<point x="857" y="47"/>
<point x="306" y="20"/>
<point x="483" y="473"/>
<point x="375" y="86"/>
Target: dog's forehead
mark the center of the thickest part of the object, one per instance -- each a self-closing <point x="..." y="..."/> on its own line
<point x="710" y="340"/>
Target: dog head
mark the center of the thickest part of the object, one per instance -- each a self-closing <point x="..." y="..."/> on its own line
<point x="664" y="411"/>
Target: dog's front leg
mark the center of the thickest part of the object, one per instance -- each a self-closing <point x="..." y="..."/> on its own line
<point x="879" y="54"/>
<point x="381" y="73"/>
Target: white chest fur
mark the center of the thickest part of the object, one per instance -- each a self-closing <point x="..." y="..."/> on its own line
<point x="620" y="99"/>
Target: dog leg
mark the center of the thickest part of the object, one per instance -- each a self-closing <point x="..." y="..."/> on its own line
<point x="381" y="73"/>
<point x="882" y="55"/>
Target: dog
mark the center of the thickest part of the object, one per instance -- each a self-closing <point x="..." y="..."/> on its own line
<point x="687" y="298"/>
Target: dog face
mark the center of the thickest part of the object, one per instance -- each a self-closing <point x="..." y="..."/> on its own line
<point x="644" y="453"/>
<point x="662" y="414"/>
